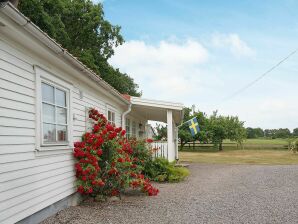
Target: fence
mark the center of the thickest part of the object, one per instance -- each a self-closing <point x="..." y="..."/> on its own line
<point x="160" y="149"/>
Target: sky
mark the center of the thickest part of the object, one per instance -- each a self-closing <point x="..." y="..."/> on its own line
<point x="201" y="52"/>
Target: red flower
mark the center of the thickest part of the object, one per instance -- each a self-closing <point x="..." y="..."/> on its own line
<point x="109" y="127"/>
<point x="99" y="152"/>
<point x="90" y="190"/>
<point x="96" y="128"/>
<point x="118" y="130"/>
<point x="115" y="192"/>
<point x="123" y="132"/>
<point x="81" y="189"/>
<point x="101" y="183"/>
<point x="121" y="160"/>
<point x="149" y="140"/>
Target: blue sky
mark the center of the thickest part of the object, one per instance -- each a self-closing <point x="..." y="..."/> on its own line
<point x="200" y="52"/>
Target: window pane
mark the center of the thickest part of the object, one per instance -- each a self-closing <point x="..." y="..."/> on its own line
<point x="47" y="93"/>
<point x="60" y="98"/>
<point x="48" y="113"/>
<point x="109" y="115"/>
<point x="61" y="133"/>
<point x="49" y="133"/>
<point x="61" y="116"/>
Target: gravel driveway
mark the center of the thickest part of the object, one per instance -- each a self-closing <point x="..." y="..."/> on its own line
<point x="212" y="194"/>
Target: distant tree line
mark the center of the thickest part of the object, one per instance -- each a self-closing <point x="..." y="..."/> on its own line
<point x="270" y="133"/>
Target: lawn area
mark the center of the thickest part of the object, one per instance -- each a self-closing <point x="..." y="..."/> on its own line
<point x="274" y="157"/>
<point x="263" y="141"/>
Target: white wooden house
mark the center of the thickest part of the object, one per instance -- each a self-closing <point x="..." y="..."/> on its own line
<point x="45" y="93"/>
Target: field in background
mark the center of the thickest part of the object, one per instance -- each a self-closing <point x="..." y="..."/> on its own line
<point x="256" y="151"/>
<point x="255" y="144"/>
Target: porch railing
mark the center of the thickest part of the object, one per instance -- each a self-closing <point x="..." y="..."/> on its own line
<point x="160" y="149"/>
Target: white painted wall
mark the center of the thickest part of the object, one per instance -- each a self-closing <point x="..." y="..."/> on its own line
<point x="31" y="180"/>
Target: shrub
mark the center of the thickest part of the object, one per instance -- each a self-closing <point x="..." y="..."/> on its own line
<point x="106" y="161"/>
<point x="161" y="170"/>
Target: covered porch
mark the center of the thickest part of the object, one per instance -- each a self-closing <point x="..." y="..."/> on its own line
<point x="161" y="111"/>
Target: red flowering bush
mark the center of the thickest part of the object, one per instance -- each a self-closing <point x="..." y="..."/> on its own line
<point x="106" y="161"/>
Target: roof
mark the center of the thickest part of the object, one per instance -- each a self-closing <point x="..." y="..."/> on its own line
<point x="9" y="10"/>
<point x="156" y="109"/>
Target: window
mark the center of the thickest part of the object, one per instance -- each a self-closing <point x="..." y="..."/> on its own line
<point x="127" y="127"/>
<point x="134" y="129"/>
<point x="111" y="117"/>
<point x="54" y="115"/>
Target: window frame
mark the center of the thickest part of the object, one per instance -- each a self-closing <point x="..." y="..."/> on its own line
<point x="43" y="76"/>
<point x="113" y="113"/>
<point x="134" y="129"/>
<point x="43" y="143"/>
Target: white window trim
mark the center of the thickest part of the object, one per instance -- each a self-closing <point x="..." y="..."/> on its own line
<point x="134" y="127"/>
<point x="111" y="109"/>
<point x="47" y="77"/>
<point x="112" y="112"/>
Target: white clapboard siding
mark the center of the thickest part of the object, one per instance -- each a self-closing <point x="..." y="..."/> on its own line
<point x="23" y="180"/>
<point x="16" y="105"/>
<point x="18" y="114"/>
<point x="12" y="157"/>
<point x="23" y="174"/>
<point x="10" y="140"/>
<point x="12" y="95"/>
<point x="13" y="122"/>
<point x="7" y="56"/>
<point x="15" y="68"/>
<point x="6" y="149"/>
<point x="34" y="163"/>
<point x="13" y="131"/>
<point x="11" y="194"/>
<point x="4" y="84"/>
<point x="37" y="204"/>
<point x="42" y="189"/>
<point x="15" y="78"/>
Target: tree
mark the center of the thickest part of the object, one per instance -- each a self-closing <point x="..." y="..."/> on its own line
<point x="254" y="132"/>
<point x="80" y="27"/>
<point x="226" y="127"/>
<point x="184" y="134"/>
<point x="161" y="132"/>
<point x="295" y="132"/>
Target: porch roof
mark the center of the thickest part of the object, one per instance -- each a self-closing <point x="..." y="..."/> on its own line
<point x="156" y="110"/>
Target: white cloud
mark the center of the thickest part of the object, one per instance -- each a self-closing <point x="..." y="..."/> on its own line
<point x="234" y="43"/>
<point x="169" y="70"/>
<point x="185" y="71"/>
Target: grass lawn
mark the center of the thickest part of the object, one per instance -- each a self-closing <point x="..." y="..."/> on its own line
<point x="250" y="156"/>
<point x="263" y="141"/>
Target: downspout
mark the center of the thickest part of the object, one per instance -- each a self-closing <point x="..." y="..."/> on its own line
<point x="124" y="114"/>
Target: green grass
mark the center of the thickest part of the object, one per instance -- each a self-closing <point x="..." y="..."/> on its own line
<point x="249" y="144"/>
<point x="263" y="141"/>
<point x="269" y="157"/>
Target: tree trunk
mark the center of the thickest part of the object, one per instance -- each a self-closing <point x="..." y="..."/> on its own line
<point x="220" y="148"/>
<point x="181" y="146"/>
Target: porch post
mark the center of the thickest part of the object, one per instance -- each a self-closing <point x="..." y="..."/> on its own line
<point x="170" y="137"/>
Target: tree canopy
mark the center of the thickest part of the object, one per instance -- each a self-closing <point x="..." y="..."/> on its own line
<point x="213" y="129"/>
<point x="80" y="27"/>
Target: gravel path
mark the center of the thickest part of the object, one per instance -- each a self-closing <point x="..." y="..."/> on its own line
<point x="212" y="194"/>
